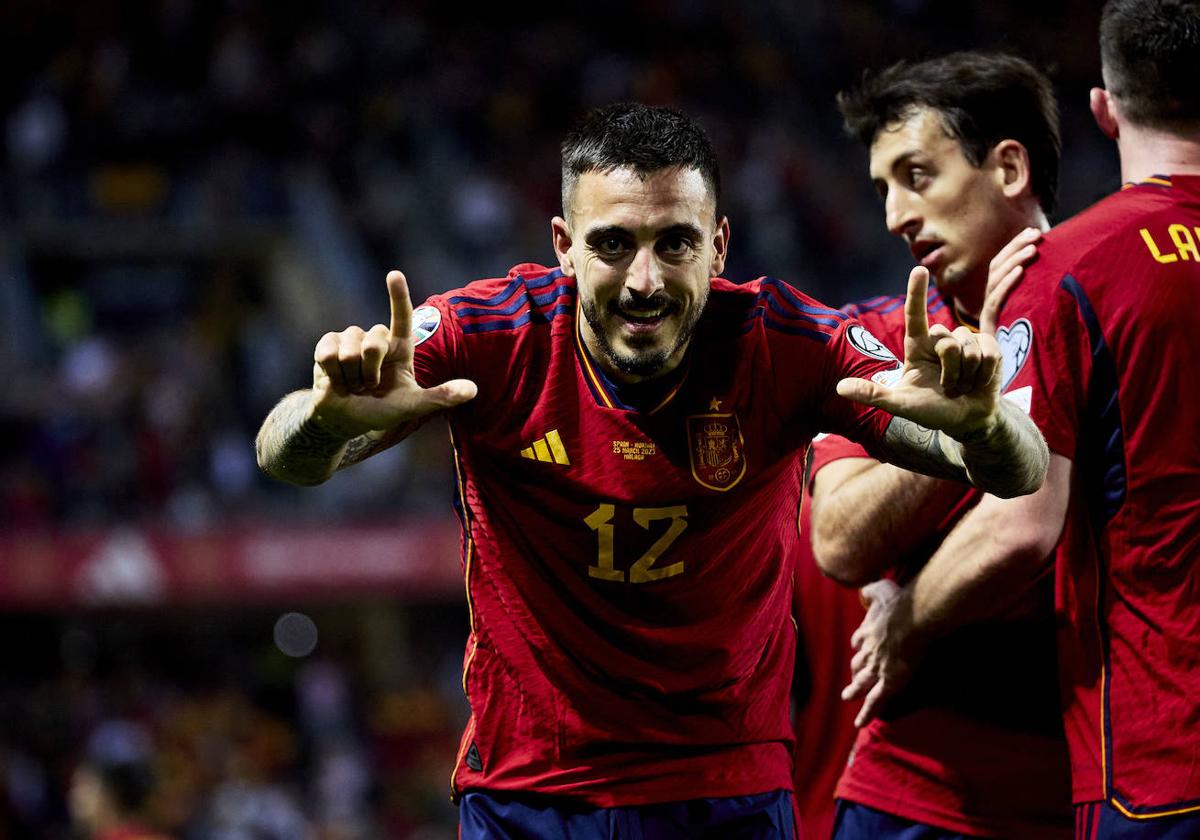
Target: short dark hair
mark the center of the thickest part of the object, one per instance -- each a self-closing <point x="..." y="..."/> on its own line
<point x="1150" y="50"/>
<point x="640" y="137"/>
<point x="982" y="98"/>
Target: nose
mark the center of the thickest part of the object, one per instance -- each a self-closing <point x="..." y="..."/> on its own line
<point x="644" y="277"/>
<point x="901" y="216"/>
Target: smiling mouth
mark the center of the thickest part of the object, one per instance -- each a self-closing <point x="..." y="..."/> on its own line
<point x="642" y="318"/>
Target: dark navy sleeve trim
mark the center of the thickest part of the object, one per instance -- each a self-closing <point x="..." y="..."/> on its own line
<point x="788" y="329"/>
<point x="819" y="312"/>
<point x="1102" y="437"/>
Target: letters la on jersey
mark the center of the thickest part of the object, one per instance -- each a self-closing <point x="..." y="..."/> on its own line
<point x="629" y="563"/>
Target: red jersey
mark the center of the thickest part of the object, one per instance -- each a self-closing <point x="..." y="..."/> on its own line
<point x="628" y="556"/>
<point x="974" y="744"/>
<point x="826" y="614"/>
<point x="1109" y="314"/>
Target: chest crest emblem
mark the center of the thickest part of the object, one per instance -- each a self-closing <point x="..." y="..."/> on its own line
<point x="716" y="450"/>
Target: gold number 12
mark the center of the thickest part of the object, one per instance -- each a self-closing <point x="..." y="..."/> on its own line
<point x="642" y="571"/>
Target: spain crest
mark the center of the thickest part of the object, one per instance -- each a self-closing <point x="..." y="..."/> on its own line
<point x="716" y="449"/>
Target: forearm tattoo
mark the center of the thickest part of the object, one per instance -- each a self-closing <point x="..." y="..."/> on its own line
<point x="364" y="446"/>
<point x="1008" y="461"/>
<point x="291" y="448"/>
<point x="919" y="449"/>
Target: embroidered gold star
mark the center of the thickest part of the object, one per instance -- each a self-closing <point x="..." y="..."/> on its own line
<point x="714" y="404"/>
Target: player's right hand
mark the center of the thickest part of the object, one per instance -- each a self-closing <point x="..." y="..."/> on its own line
<point x="1004" y="271"/>
<point x="950" y="380"/>
<point x="363" y="380"/>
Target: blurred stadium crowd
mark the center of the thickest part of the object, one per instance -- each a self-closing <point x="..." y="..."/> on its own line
<point x="192" y="192"/>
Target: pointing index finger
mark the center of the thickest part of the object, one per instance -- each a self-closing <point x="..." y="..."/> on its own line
<point x="401" y="304"/>
<point x="916" y="319"/>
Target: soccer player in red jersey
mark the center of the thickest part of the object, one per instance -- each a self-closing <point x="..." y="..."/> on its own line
<point x="964" y="153"/>
<point x="625" y="429"/>
<point x="1107" y="322"/>
<point x="826" y="613"/>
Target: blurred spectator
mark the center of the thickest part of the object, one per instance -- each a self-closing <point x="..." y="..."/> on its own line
<point x="108" y="799"/>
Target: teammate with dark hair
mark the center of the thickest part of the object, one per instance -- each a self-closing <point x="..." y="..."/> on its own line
<point x="625" y="431"/>
<point x="1110" y="309"/>
<point x="964" y="154"/>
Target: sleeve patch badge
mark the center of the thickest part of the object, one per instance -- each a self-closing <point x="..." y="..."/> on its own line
<point x="1015" y="341"/>
<point x="862" y="341"/>
<point x="425" y="321"/>
<point x="888" y="378"/>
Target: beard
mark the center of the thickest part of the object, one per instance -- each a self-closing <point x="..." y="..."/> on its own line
<point x="650" y="361"/>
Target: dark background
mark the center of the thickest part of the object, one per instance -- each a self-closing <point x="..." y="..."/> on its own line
<point x="192" y="192"/>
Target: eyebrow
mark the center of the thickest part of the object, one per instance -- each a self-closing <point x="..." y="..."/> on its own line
<point x="901" y="159"/>
<point x="682" y="228"/>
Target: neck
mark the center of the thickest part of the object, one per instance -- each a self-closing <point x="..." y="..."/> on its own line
<point x="968" y="305"/>
<point x="1146" y="152"/>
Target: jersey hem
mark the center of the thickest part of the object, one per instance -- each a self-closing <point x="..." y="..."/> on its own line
<point x="951" y="821"/>
<point x="646" y="794"/>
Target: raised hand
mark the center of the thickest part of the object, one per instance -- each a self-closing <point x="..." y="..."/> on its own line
<point x="1004" y="271"/>
<point x="950" y="380"/>
<point x="363" y="380"/>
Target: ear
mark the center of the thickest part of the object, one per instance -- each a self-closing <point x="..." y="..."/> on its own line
<point x="560" y="235"/>
<point x="1012" y="168"/>
<point x="1104" y="110"/>
<point x="720" y="247"/>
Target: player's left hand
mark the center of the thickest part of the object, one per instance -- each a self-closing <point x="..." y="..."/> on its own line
<point x="950" y="380"/>
<point x="1004" y="271"/>
<point x="885" y="649"/>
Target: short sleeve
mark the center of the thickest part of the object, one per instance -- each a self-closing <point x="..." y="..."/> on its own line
<point x="438" y="346"/>
<point x="829" y="448"/>
<point x="1047" y="357"/>
<point x="855" y="353"/>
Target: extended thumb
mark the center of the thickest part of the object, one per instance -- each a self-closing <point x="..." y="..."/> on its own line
<point x="859" y="390"/>
<point x="455" y="392"/>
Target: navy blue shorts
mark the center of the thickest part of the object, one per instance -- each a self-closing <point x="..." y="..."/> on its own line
<point x="854" y="821"/>
<point x="1101" y="821"/>
<point x="501" y="816"/>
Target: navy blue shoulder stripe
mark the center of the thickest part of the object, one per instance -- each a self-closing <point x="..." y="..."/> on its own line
<point x="508" y="290"/>
<point x="807" y="308"/>
<point x="873" y="304"/>
<point x="788" y="329"/>
<point x="790" y="314"/>
<point x="885" y="306"/>
<point x="1102" y="437"/>
<point x="498" y="298"/>
<point x="533" y="315"/>
<point x="516" y="304"/>
<point x="545" y="279"/>
<point x="562" y="297"/>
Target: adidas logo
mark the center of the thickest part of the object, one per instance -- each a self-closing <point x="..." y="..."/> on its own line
<point x="549" y="449"/>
